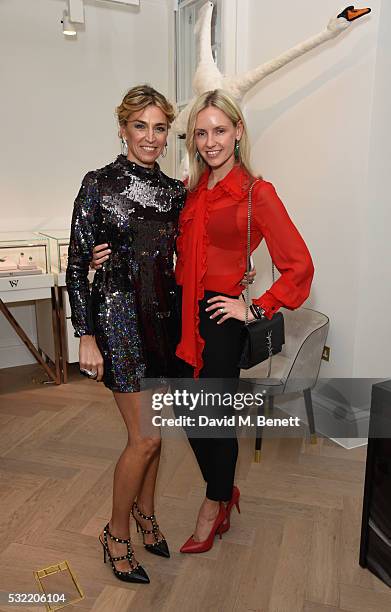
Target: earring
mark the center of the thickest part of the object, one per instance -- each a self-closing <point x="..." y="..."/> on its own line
<point x="124" y="146"/>
<point x="164" y="153"/>
<point x="237" y="150"/>
<point x="198" y="156"/>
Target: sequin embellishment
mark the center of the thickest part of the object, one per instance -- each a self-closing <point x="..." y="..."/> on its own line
<point x="131" y="308"/>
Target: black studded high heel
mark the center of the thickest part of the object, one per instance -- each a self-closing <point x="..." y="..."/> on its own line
<point x="137" y="573"/>
<point x="159" y="547"/>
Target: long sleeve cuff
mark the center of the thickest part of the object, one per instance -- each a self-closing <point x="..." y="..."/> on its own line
<point x="80" y="331"/>
<point x="269" y="303"/>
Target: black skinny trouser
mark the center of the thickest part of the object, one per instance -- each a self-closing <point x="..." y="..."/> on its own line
<point x="216" y="453"/>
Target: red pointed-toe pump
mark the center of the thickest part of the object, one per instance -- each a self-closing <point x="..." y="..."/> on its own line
<point x="192" y="546"/>
<point x="234" y="501"/>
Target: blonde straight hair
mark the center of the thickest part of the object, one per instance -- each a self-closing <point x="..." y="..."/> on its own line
<point x="220" y="99"/>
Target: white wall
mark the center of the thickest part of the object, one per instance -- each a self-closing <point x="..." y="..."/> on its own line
<point x="318" y="131"/>
<point x="59" y="95"/>
<point x="373" y="328"/>
<point x="57" y="106"/>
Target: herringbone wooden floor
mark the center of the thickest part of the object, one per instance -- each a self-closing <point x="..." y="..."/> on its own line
<point x="293" y="548"/>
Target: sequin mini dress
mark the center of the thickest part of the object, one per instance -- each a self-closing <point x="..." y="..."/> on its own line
<point x="131" y="307"/>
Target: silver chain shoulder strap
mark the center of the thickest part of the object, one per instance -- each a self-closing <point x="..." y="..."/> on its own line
<point x="249" y="213"/>
<point x="249" y="210"/>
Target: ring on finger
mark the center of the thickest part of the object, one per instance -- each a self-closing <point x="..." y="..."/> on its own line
<point x="89" y="373"/>
<point x="222" y="310"/>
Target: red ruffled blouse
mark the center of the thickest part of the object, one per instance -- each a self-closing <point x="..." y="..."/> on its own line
<point x="212" y="244"/>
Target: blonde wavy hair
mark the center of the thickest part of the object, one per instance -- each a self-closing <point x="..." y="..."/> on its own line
<point x="138" y="98"/>
<point x="220" y="99"/>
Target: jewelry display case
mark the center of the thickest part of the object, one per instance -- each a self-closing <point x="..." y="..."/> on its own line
<point x="58" y="249"/>
<point x="58" y="240"/>
<point x="24" y="267"/>
<point x="33" y="269"/>
<point x="25" y="277"/>
<point x="22" y="254"/>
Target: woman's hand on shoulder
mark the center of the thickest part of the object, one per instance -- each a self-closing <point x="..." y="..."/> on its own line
<point x="90" y="357"/>
<point x="100" y="254"/>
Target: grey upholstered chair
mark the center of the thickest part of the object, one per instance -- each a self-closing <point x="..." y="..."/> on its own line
<point x="296" y="368"/>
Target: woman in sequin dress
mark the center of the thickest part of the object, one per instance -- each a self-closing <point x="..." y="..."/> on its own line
<point x="127" y="324"/>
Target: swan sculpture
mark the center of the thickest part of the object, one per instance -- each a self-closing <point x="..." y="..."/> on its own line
<point x="208" y="77"/>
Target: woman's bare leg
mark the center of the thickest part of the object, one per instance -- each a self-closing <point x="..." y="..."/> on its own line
<point x="132" y="465"/>
<point x="146" y="496"/>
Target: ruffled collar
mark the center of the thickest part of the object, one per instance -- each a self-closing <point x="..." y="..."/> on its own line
<point x="235" y="184"/>
<point x="140" y="171"/>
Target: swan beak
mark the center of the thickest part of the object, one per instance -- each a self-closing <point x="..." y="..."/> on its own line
<point x="351" y="14"/>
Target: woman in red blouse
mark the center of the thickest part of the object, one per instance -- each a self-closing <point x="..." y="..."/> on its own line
<point x="210" y="267"/>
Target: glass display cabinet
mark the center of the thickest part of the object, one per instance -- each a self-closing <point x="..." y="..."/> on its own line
<point x="58" y="247"/>
<point x="24" y="267"/>
<point x="25" y="277"/>
<point x="58" y="254"/>
<point x="23" y="254"/>
<point x="58" y="240"/>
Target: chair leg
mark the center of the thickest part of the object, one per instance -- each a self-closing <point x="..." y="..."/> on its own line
<point x="269" y="406"/>
<point x="310" y="415"/>
<point x="258" y="436"/>
<point x="258" y="445"/>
